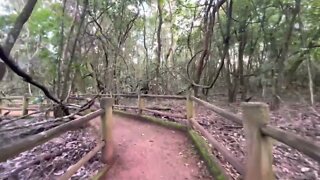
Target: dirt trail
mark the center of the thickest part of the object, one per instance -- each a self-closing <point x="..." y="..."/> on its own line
<point x="146" y="151"/>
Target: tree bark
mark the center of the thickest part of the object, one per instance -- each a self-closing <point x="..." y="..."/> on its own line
<point x="61" y="48"/>
<point x="209" y="20"/>
<point x="242" y="45"/>
<point x="64" y="92"/>
<point x="310" y="82"/>
<point x="15" y="31"/>
<point x="282" y="57"/>
<point x="159" y="41"/>
<point x="18" y="25"/>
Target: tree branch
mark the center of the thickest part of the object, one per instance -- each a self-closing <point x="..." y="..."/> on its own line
<point x="15" y="68"/>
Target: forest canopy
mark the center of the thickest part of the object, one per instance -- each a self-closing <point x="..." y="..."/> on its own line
<point x="264" y="48"/>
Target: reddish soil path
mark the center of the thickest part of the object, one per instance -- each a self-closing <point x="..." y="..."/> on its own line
<point x="150" y="152"/>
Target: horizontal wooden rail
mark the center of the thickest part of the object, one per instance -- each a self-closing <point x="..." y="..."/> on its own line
<point x="21" y="145"/>
<point x="31" y="105"/>
<point x="77" y="98"/>
<point x="165" y="113"/>
<point x="18" y="109"/>
<point x="74" y="168"/>
<point x="310" y="149"/>
<point x="16" y="97"/>
<point x="230" y="116"/>
<point x="133" y="96"/>
<point x="307" y="147"/>
<point x="163" y="96"/>
<point x="159" y="108"/>
<point x="12" y="98"/>
<point x="151" y="96"/>
<point x="221" y="149"/>
<point x="124" y="107"/>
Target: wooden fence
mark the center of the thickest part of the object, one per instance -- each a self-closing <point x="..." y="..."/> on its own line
<point x="258" y="133"/>
<point x="106" y="145"/>
<point x="24" y="104"/>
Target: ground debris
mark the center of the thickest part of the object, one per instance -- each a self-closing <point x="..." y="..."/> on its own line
<point x="288" y="163"/>
<point x="67" y="149"/>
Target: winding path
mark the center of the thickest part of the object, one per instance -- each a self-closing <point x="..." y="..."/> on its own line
<point x="147" y="151"/>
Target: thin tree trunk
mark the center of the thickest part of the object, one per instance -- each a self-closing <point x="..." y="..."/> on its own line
<point x="14" y="33"/>
<point x="209" y="19"/>
<point x="145" y="45"/>
<point x="64" y="92"/>
<point x="159" y="41"/>
<point x="58" y="82"/>
<point x="310" y="82"/>
<point x="282" y="57"/>
<point x="18" y="25"/>
<point x="242" y="45"/>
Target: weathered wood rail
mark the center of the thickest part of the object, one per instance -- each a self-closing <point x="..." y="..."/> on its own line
<point x="106" y="145"/>
<point x="23" y="102"/>
<point x="258" y="133"/>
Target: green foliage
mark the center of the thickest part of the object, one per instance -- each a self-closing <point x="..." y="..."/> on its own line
<point x="264" y="24"/>
<point x="6" y="22"/>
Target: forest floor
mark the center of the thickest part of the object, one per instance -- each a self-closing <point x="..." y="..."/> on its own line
<point x="293" y="117"/>
<point x="143" y="151"/>
<point x="52" y="159"/>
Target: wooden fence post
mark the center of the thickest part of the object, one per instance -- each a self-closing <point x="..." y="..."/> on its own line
<point x="140" y="103"/>
<point x="107" y="127"/>
<point x="190" y="110"/>
<point x="25" y="105"/>
<point x="259" y="147"/>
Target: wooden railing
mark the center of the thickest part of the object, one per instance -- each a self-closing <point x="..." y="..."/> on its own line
<point x="258" y="134"/>
<point x="24" y="104"/>
<point x="106" y="145"/>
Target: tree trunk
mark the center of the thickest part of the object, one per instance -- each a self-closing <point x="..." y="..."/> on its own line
<point x="242" y="45"/>
<point x="15" y="31"/>
<point x="18" y="25"/>
<point x="159" y="42"/>
<point x="310" y="82"/>
<point x="209" y="19"/>
<point x="64" y="92"/>
<point x="231" y="86"/>
<point x="282" y="57"/>
<point x="146" y="63"/>
<point x="61" y="49"/>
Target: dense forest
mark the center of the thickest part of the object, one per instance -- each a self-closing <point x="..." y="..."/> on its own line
<point x="263" y="48"/>
<point x="214" y="55"/>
